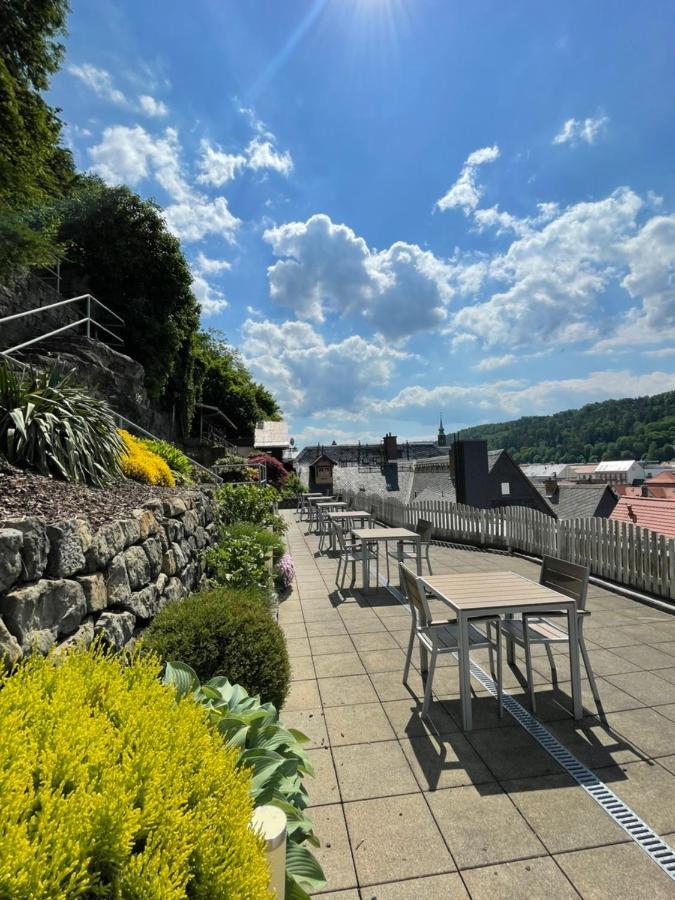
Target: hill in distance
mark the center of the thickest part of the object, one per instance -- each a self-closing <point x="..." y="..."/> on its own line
<point x="640" y="428"/>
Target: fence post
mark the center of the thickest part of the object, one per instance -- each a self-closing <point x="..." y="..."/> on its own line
<point x="88" y="315"/>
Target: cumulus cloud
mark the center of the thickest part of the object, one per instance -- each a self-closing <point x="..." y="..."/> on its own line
<point x="587" y="130"/>
<point x="465" y="193"/>
<point x="263" y="155"/>
<point x="205" y="264"/>
<point x="210" y="299"/>
<point x="326" y="267"/>
<point x="311" y="373"/>
<point x="216" y="167"/>
<point x="100" y="81"/>
<point x="129" y="155"/>
<point x="156" y="109"/>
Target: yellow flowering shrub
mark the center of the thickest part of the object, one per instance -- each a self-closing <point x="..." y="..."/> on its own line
<point x="110" y="787"/>
<point x="141" y="464"/>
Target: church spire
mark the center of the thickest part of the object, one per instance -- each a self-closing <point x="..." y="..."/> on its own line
<point x="441" y="433"/>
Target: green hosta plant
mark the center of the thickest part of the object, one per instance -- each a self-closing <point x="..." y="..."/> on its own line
<point x="51" y="424"/>
<point x="276" y="758"/>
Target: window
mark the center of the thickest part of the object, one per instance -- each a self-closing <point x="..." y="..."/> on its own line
<point x="506" y="488"/>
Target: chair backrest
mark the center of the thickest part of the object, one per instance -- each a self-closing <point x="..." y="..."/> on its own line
<point x="339" y="534"/>
<point x="566" y="578"/>
<point x="425" y="529"/>
<point x="415" y="594"/>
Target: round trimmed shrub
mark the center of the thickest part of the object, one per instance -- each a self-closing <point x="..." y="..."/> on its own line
<point x="110" y="787"/>
<point x="225" y="632"/>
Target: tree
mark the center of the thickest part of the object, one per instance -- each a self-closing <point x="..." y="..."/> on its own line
<point x="120" y="250"/>
<point x="35" y="169"/>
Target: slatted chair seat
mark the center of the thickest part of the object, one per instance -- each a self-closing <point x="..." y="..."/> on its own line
<point x="539" y="631"/>
<point x="443" y="636"/>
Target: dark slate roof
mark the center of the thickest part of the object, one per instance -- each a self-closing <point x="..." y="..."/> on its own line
<point x="369" y="454"/>
<point x="576" y="501"/>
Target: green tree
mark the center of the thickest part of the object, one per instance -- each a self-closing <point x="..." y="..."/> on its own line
<point x="120" y="250"/>
<point x="34" y="168"/>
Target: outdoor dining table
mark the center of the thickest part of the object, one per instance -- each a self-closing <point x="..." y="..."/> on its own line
<point x="312" y="501"/>
<point x="349" y="515"/>
<point x="326" y="506"/>
<point x="376" y="535"/>
<point x="478" y="594"/>
<point x="307" y="498"/>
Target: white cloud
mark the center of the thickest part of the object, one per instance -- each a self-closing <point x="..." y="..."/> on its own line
<point x="489" y="363"/>
<point x="211" y="299"/>
<point x="154" y="108"/>
<point x="217" y="167"/>
<point x="554" y="276"/>
<point x="587" y="130"/>
<point x="324" y="267"/>
<point x="196" y="217"/>
<point x="307" y="373"/>
<point x="263" y="155"/>
<point x="465" y="193"/>
<point x="99" y="81"/>
<point x="210" y="266"/>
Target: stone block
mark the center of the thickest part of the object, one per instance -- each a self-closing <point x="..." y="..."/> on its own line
<point x="95" y="591"/>
<point x="143" y="604"/>
<point x="138" y="567"/>
<point x="147" y="523"/>
<point x="68" y="543"/>
<point x="153" y="550"/>
<point x="35" y="548"/>
<point x="56" y="607"/>
<point x="10" y="651"/>
<point x="116" y="628"/>
<point x="155" y="506"/>
<point x="201" y="537"/>
<point x="83" y="637"/>
<point x="107" y="543"/>
<point x="174" y="590"/>
<point x="169" y="562"/>
<point x="174" y="506"/>
<point x="174" y="530"/>
<point x="161" y="583"/>
<point x="190" y="522"/>
<point x="131" y="530"/>
<point x="117" y="580"/>
<point x="11" y="544"/>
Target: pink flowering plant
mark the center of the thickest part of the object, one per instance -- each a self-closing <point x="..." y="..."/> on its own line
<point x="285" y="572"/>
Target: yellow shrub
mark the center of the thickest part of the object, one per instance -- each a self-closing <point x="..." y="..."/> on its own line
<point x="109" y="787"/>
<point x="142" y="464"/>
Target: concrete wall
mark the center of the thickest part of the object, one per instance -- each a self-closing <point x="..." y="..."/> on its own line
<point x="61" y="584"/>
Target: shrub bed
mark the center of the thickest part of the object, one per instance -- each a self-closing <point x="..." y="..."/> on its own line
<point x="141" y="464"/>
<point x="110" y="787"/>
<point x="225" y="632"/>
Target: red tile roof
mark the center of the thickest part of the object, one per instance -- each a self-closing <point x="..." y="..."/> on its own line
<point x="662" y="478"/>
<point x="654" y="513"/>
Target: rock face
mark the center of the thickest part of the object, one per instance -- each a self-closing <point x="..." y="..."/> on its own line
<point x="61" y="584"/>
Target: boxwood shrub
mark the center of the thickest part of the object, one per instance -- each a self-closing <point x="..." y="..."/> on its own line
<point x="227" y="632"/>
<point x="111" y="787"/>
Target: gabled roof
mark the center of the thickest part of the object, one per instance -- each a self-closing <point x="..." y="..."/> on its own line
<point x="654" y="513"/>
<point x="662" y="478"/>
<point x="544" y="470"/>
<point x="615" y="465"/>
<point x="579" y="501"/>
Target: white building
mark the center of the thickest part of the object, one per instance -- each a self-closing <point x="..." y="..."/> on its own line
<point x="620" y="471"/>
<point x="544" y="471"/>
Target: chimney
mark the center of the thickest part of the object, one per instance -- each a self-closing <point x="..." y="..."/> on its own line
<point x="390" y="448"/>
<point x="550" y="487"/>
<point x="471" y="473"/>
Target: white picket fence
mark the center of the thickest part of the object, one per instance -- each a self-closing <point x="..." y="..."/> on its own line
<point x="617" y="551"/>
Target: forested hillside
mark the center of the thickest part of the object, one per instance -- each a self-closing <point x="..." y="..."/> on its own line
<point x="641" y="428"/>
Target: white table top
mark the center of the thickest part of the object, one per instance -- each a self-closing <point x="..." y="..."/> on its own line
<point x="385" y="534"/>
<point x="350" y="514"/>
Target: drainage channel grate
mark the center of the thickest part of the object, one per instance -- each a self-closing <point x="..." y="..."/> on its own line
<point x="647" y="839"/>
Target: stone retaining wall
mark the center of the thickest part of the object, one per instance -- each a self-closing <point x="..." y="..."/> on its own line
<point x="61" y="584"/>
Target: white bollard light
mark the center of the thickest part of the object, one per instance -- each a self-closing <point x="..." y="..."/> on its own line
<point x="270" y="822"/>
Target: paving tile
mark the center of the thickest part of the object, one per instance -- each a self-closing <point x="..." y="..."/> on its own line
<point x="364" y="626"/>
<point x="443" y="763"/>
<point x="668" y="762"/>
<point x="648" y="788"/>
<point x="290" y="616"/>
<point x="334" y="643"/>
<point x="652" y="733"/>
<point x="484" y="712"/>
<point x="323" y="787"/>
<point x="334" y="854"/>
<point x="668" y="711"/>
<point x="645" y="656"/>
<point x="321" y="615"/>
<point x="668" y="674"/>
<point x="622" y="872"/>
<point x="338" y="664"/>
<point x="383" y="660"/>
<point x="435" y="887"/>
<point x="534" y="879"/>
<point x="649" y="687"/>
<point x="333" y="626"/>
<point x="394" y="838"/>
<point x="511" y="752"/>
<point x="294" y="630"/>
<point x="562" y="815"/>
<point x="310" y="722"/>
<point x="482" y="827"/>
<point x="365" y="771"/>
<point x="302" y="668"/>
<point x="666" y="647"/>
<point x="595" y="744"/>
<point x="405" y="719"/>
<point x="390" y="687"/>
<point x="346" y="691"/>
<point x="298" y="647"/>
<point x="339" y="895"/>
<point x="303" y="695"/>
<point x="358" y="724"/>
<point x="374" y="640"/>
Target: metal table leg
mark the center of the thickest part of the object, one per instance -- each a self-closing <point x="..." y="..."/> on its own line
<point x="573" y="631"/>
<point x="464" y="671"/>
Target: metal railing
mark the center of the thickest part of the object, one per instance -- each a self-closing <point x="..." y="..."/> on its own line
<point x="88" y="320"/>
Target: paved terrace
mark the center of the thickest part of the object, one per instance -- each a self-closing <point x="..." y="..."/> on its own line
<point x="406" y="811"/>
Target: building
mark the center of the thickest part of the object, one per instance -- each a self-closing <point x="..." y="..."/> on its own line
<point x="620" y="471"/>
<point x="544" y="471"/>
<point x="569" y="500"/>
<point x="655" y="513"/>
<point x="272" y="437"/>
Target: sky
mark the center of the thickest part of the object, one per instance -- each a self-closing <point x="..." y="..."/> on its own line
<point x="401" y="209"/>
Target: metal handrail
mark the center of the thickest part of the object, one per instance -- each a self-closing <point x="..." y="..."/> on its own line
<point x="39" y="309"/>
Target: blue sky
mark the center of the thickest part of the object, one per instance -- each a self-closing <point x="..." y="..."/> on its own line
<point x="400" y="208"/>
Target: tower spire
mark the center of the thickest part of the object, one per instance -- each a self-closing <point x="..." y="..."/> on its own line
<point x="441" y="433"/>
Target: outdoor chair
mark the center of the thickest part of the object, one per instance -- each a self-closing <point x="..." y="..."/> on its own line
<point x="572" y="581"/>
<point x="438" y="637"/>
<point x="408" y="549"/>
<point x="352" y="553"/>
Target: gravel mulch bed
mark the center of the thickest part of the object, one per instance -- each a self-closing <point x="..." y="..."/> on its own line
<point x="28" y="494"/>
